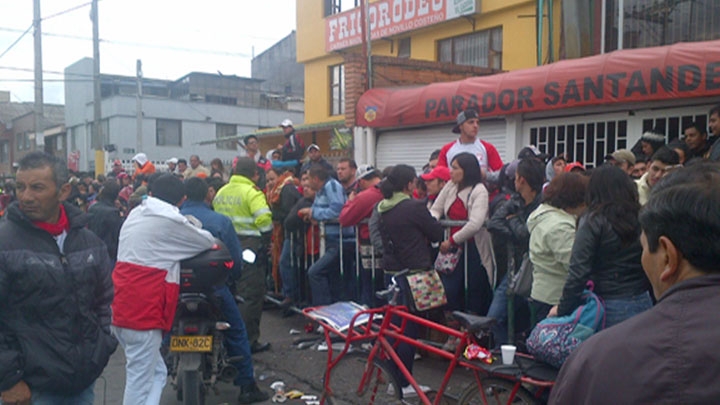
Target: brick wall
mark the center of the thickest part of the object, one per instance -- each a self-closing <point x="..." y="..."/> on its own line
<point x="398" y="72"/>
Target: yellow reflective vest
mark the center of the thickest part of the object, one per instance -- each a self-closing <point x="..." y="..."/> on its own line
<point x="245" y="205"/>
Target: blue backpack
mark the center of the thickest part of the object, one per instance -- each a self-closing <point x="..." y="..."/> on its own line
<point x="554" y="339"/>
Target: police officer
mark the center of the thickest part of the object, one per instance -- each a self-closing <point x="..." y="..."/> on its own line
<point x="247" y="207"/>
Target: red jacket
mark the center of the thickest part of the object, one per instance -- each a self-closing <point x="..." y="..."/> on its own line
<point x="360" y="208"/>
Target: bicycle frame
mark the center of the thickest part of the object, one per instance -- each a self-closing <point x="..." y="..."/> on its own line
<point x="382" y="335"/>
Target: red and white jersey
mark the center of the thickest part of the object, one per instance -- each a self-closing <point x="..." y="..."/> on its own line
<point x="487" y="156"/>
<point x="153" y="240"/>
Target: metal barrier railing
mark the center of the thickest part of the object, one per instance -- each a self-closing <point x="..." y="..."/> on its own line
<point x="365" y="256"/>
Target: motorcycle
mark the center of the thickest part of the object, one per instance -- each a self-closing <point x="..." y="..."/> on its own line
<point x="197" y="357"/>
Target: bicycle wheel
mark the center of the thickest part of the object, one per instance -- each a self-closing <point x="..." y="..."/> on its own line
<point x="381" y="388"/>
<point x="497" y="392"/>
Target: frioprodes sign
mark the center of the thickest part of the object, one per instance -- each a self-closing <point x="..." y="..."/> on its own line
<point x="683" y="70"/>
<point x="391" y="17"/>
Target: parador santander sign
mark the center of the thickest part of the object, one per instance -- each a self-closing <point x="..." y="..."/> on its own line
<point x="682" y="70"/>
<point x="391" y="17"/>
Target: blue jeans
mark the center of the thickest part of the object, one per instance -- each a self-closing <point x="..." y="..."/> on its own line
<point x="405" y="351"/>
<point x="236" y="338"/>
<point x="86" y="397"/>
<point x="326" y="283"/>
<point x="499" y="311"/>
<point x="620" y="309"/>
<point x="288" y="271"/>
<point x="478" y="296"/>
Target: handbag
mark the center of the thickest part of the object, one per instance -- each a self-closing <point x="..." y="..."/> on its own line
<point x="447" y="262"/>
<point x="520" y="281"/>
<point x="554" y="339"/>
<point x="425" y="290"/>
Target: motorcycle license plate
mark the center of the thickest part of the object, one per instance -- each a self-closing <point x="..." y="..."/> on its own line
<point x="191" y="343"/>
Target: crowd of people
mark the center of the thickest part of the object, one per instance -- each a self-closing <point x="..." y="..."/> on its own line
<point x="573" y="224"/>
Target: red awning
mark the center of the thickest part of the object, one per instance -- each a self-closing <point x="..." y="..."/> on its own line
<point x="683" y="70"/>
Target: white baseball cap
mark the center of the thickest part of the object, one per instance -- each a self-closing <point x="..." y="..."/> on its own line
<point x="286" y="123"/>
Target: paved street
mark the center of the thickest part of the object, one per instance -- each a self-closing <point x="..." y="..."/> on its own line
<point x="299" y="369"/>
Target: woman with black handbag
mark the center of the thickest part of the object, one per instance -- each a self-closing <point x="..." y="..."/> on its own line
<point x="406" y="229"/>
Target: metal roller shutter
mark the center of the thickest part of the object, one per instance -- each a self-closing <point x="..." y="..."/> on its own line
<point x="414" y="146"/>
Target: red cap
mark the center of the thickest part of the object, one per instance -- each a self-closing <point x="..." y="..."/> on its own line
<point x="439" y="172"/>
<point x="574" y="165"/>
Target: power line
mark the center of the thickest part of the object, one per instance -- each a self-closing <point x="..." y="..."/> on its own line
<point x="16" y="41"/>
<point x="44" y="80"/>
<point x="141" y="45"/>
<point x="67" y="11"/>
<point x="52" y="72"/>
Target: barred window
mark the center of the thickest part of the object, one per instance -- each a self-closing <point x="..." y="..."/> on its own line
<point x="482" y="48"/>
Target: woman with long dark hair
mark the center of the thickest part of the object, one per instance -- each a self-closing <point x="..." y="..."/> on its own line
<point x="607" y="249"/>
<point x="406" y="229"/>
<point x="465" y="198"/>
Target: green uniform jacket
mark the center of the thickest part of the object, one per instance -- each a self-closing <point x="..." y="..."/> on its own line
<point x="245" y="205"/>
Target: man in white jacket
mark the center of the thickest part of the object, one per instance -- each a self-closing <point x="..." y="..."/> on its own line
<point x="153" y="240"/>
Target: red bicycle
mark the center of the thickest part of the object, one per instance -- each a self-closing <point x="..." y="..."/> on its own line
<point x="369" y="349"/>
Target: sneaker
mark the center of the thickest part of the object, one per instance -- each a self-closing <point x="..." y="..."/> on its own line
<point x="409" y="391"/>
<point x="251" y="393"/>
<point x="451" y="344"/>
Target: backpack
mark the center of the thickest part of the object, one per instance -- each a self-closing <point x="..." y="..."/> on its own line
<point x="554" y="339"/>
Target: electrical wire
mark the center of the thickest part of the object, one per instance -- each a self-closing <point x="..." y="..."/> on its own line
<point x="16" y="41"/>
<point x="67" y="11"/>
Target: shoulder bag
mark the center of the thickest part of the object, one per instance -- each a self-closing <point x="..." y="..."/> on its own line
<point x="423" y="289"/>
<point x="554" y="339"/>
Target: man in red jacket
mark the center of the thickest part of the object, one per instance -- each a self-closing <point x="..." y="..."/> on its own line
<point x="359" y="207"/>
<point x="467" y="126"/>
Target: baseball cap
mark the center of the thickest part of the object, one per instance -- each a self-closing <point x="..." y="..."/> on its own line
<point x="286" y="123"/>
<point x="462" y="117"/>
<point x="172" y="160"/>
<point x="622" y="155"/>
<point x="439" y="172"/>
<point x="141" y="158"/>
<point x="313" y="146"/>
<point x="364" y="171"/>
<point x="574" y="165"/>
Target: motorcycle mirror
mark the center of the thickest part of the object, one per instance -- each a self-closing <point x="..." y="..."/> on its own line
<point x="248" y="256"/>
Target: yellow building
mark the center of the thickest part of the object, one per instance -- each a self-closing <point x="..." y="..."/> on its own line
<point x="499" y="34"/>
<point x="441" y="39"/>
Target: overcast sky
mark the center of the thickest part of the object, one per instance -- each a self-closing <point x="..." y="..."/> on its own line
<point x="172" y="38"/>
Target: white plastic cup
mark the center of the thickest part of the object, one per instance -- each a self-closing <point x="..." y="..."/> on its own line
<point x="508" y="353"/>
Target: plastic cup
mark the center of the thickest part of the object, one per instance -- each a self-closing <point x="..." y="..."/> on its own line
<point x="508" y="353"/>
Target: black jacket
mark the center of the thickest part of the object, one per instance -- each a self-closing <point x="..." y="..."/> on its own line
<point x="54" y="307"/>
<point x="289" y="195"/>
<point x="406" y="231"/>
<point x="293" y="149"/>
<point x="598" y="255"/>
<point x="104" y="220"/>
<point x="511" y="237"/>
<point x="295" y="227"/>
<point x="322" y="162"/>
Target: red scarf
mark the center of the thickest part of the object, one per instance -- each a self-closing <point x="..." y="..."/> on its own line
<point x="58" y="228"/>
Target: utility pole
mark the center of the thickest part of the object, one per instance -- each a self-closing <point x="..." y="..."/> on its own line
<point x="138" y="106"/>
<point x="39" y="136"/>
<point x="98" y="140"/>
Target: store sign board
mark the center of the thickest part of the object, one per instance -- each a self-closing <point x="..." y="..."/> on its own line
<point x="391" y="17"/>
